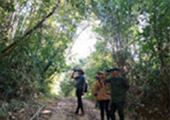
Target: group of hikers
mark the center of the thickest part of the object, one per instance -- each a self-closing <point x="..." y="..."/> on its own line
<point x="110" y="91"/>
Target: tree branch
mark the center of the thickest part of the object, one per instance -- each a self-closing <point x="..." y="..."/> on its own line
<point x="13" y="45"/>
<point x="37" y="113"/>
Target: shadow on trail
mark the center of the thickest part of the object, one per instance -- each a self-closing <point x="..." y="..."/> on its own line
<point x="63" y="109"/>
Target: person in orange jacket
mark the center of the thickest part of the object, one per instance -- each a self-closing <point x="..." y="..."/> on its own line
<point x="103" y="97"/>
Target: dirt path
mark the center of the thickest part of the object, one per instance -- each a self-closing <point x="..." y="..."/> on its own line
<point x="63" y="109"/>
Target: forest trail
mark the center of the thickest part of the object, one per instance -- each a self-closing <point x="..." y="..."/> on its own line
<point x="63" y="109"/>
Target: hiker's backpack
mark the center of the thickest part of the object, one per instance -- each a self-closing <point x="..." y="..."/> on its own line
<point x="86" y="88"/>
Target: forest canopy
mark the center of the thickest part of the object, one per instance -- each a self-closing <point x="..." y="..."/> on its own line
<point x="36" y="37"/>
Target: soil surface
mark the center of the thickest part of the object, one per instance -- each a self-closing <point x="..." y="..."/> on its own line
<point x="63" y="109"/>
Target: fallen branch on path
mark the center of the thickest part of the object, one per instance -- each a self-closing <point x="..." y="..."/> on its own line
<point x="37" y="113"/>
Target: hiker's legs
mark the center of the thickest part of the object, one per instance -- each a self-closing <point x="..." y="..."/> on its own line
<point x="79" y="101"/>
<point x="77" y="110"/>
<point x="120" y="107"/>
<point x="81" y="104"/>
<point x="107" y="109"/>
<point x="112" y="110"/>
<point x="101" y="103"/>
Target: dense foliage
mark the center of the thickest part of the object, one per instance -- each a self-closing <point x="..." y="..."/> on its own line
<point x="138" y="37"/>
<point x="34" y="36"/>
<point x="133" y="35"/>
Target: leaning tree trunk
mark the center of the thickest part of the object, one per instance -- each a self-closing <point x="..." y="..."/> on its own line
<point x="7" y="51"/>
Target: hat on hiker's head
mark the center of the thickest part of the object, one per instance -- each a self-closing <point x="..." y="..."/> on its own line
<point x="115" y="69"/>
<point x="80" y="70"/>
<point x="100" y="73"/>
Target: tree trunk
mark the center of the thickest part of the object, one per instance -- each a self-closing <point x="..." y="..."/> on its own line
<point x="7" y="51"/>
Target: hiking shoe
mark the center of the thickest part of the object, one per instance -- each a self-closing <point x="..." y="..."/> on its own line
<point x="76" y="113"/>
<point x="82" y="114"/>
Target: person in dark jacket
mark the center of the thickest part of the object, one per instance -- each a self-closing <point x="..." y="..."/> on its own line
<point x="80" y="89"/>
<point x="119" y="87"/>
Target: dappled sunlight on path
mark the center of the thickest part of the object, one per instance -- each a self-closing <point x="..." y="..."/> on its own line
<point x="64" y="110"/>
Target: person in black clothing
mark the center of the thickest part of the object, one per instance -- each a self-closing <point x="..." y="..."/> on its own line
<point x="119" y="87"/>
<point x="80" y="89"/>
